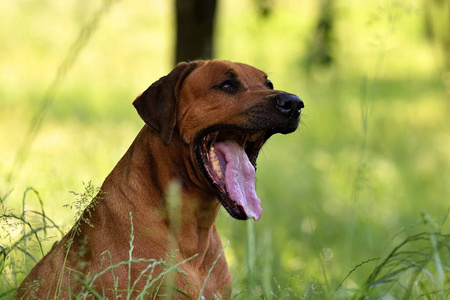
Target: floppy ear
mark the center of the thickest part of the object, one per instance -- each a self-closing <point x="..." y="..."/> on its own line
<point x="158" y="104"/>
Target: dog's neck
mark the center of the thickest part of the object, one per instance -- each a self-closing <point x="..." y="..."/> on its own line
<point x="192" y="224"/>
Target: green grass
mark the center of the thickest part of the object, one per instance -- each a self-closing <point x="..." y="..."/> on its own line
<point x="27" y="249"/>
<point x="328" y="205"/>
<point x="417" y="267"/>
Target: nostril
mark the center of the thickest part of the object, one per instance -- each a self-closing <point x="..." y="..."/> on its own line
<point x="289" y="104"/>
<point x="282" y="103"/>
<point x="301" y="104"/>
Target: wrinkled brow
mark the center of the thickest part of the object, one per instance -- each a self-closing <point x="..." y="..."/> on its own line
<point x="231" y="74"/>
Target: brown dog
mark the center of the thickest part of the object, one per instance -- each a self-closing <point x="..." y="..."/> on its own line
<point x="206" y="122"/>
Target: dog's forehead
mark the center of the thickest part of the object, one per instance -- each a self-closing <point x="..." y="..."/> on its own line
<point x="216" y="71"/>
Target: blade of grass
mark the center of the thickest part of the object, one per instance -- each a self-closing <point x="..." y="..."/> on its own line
<point x="210" y="271"/>
<point x="251" y="254"/>
<point x="130" y="254"/>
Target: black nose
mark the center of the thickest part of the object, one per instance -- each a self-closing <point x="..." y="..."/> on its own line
<point x="289" y="105"/>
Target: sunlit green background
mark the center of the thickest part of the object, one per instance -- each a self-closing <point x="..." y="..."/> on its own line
<point x="371" y="155"/>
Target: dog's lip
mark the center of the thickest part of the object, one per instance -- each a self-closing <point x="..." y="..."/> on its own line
<point x="250" y="140"/>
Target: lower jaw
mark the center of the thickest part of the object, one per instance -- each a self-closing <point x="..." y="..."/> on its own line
<point x="220" y="141"/>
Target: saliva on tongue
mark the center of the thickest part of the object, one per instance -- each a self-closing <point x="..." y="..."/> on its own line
<point x="239" y="177"/>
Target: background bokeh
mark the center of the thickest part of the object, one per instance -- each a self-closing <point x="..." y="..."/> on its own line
<point x="370" y="159"/>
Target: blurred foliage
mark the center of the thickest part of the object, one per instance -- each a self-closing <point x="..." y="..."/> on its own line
<point x="322" y="39"/>
<point x="372" y="152"/>
<point x="437" y="25"/>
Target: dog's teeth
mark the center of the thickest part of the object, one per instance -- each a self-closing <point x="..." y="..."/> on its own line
<point x="217" y="169"/>
<point x="214" y="136"/>
<point x="215" y="162"/>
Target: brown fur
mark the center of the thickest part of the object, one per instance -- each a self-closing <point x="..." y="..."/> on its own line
<point x="175" y="108"/>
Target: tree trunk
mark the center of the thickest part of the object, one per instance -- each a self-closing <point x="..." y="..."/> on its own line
<point x="320" y="51"/>
<point x="437" y="25"/>
<point x="195" y="27"/>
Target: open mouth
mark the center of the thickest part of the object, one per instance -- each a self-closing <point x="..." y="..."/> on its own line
<point x="228" y="157"/>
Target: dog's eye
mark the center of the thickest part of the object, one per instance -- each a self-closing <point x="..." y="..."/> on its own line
<point x="228" y="86"/>
<point x="270" y="84"/>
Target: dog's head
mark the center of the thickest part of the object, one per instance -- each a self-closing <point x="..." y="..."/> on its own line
<point x="224" y="112"/>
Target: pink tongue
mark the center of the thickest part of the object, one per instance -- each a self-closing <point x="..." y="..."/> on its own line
<point x="240" y="178"/>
